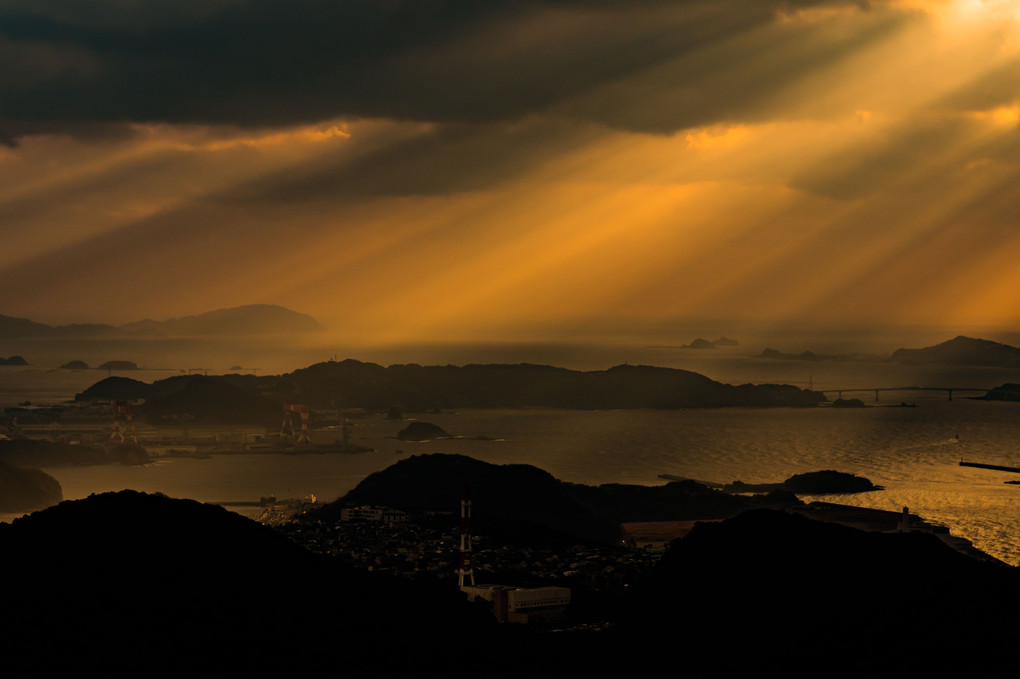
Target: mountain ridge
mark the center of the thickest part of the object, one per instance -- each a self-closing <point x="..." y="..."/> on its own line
<point x="246" y="319"/>
<point x="962" y="350"/>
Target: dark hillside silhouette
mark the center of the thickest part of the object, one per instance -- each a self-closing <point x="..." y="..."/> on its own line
<point x="133" y="583"/>
<point x="768" y="591"/>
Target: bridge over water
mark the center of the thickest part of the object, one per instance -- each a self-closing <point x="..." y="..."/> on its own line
<point x="878" y="390"/>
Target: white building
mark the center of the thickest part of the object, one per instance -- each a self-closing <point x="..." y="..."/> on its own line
<point x="522" y="604"/>
<point x="377" y="514"/>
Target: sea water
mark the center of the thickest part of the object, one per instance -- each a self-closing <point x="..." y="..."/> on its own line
<point x="914" y="452"/>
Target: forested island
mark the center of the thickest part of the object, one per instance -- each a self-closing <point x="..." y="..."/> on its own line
<point x="416" y="388"/>
<point x="825" y="482"/>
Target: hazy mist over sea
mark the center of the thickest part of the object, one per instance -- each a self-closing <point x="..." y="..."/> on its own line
<point x="283" y="352"/>
<point x="913" y="452"/>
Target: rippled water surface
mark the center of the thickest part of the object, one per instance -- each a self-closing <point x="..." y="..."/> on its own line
<point x="912" y="452"/>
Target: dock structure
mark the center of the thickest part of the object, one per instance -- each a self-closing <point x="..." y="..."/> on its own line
<point x="994" y="467"/>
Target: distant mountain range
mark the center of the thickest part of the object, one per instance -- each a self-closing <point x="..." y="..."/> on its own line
<point x="252" y="319"/>
<point x="957" y="351"/>
<point x="963" y="351"/>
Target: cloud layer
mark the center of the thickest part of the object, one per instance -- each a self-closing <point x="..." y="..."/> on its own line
<point x="265" y="62"/>
<point x="427" y="170"/>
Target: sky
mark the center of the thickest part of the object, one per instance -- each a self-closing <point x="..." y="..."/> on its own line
<point x="452" y="170"/>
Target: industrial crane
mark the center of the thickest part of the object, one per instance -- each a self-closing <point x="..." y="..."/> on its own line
<point x="288" y="409"/>
<point x="123" y="412"/>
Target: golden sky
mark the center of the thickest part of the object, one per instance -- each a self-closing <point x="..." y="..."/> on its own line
<point x="408" y="171"/>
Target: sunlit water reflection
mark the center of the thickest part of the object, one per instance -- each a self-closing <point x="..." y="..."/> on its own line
<point x="912" y="452"/>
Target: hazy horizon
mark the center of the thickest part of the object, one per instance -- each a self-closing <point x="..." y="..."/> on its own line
<point x="598" y="332"/>
<point x="278" y="353"/>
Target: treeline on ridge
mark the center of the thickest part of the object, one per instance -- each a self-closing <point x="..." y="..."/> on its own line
<point x="354" y="384"/>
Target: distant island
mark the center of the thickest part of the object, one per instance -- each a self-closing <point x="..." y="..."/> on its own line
<point x="702" y="343"/>
<point x="415" y="388"/>
<point x="422" y="431"/>
<point x="826" y="482"/>
<point x="1007" y="392"/>
<point x="960" y="350"/>
<point x="812" y="356"/>
<point x="13" y="360"/>
<point x="419" y="388"/>
<point x="118" y="365"/>
<point x="252" y="319"/>
<point x="963" y="351"/>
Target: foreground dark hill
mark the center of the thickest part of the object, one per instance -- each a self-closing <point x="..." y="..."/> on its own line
<point x="147" y="585"/>
<point x="768" y="591"/>
<point x="142" y="585"/>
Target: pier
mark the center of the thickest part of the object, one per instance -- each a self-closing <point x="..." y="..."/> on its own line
<point x="995" y="467"/>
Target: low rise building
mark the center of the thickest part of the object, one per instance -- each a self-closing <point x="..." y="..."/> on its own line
<point x="378" y="514"/>
<point x="522" y="604"/>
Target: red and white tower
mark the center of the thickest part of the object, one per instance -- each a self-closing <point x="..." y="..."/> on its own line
<point x="466" y="572"/>
<point x="123" y="412"/>
<point x="301" y="410"/>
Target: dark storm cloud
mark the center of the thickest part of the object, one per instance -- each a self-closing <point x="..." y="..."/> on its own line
<point x="449" y="159"/>
<point x="743" y="78"/>
<point x="265" y="62"/>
